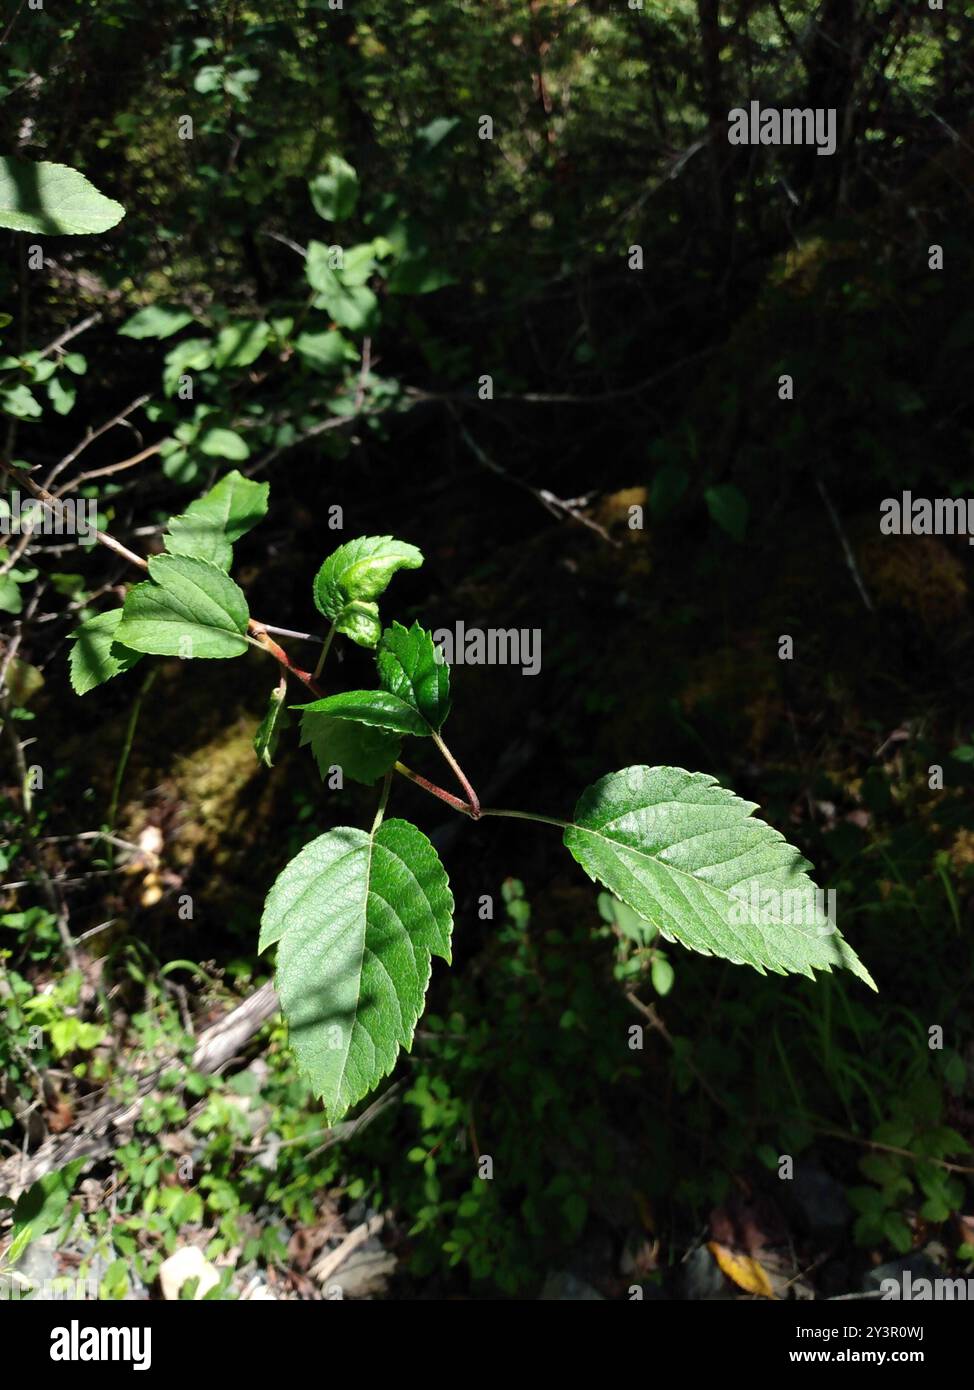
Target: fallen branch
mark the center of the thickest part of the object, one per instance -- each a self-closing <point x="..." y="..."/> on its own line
<point x="99" y="1131"/>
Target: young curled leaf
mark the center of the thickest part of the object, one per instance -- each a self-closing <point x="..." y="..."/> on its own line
<point x="360" y="621"/>
<point x="273" y="724"/>
<point x="360" y="570"/>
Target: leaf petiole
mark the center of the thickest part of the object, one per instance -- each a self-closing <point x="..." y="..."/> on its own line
<point x="434" y="790"/>
<point x="472" y="796"/>
<point x="383" y="799"/>
<point x="524" y="815"/>
<point x="324" y="651"/>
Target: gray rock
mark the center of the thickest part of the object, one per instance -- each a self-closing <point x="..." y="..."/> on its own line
<point x="918" y="1265"/>
<point x="563" y="1287"/>
<point x="702" y="1277"/>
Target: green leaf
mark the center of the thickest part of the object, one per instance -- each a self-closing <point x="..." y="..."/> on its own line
<point x="324" y="351"/>
<point x="156" y="321"/>
<point x="347" y="300"/>
<point x="19" y="402"/>
<point x="351" y="306"/>
<point x="361" y="622"/>
<point x="377" y="708"/>
<point x="42" y="1206"/>
<point x="61" y="397"/>
<point x="357" y="917"/>
<point x="191" y="609"/>
<point x="96" y="655"/>
<point x="728" y="508"/>
<point x="419" y="275"/>
<point x="358" y="263"/>
<point x="361" y="570"/>
<point x="334" y="193"/>
<point x="22" y="681"/>
<point x="211" y="524"/>
<point x="897" y="1232"/>
<point x="687" y="855"/>
<point x="270" y="728"/>
<point x="663" y="975"/>
<point x="410" y="666"/>
<point x="52" y="199"/>
<point x="362" y="752"/>
<point x="193" y="355"/>
<point x="223" y="444"/>
<point x="11" y="600"/>
<point x="629" y="923"/>
<point x="321" y="274"/>
<point x="240" y="343"/>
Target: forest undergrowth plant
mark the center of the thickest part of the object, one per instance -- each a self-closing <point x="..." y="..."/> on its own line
<point x="358" y="913"/>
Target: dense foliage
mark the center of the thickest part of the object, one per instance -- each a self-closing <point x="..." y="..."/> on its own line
<point x="490" y="279"/>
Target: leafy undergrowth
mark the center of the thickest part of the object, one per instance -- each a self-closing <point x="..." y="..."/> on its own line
<point x="543" y="1124"/>
<point x="583" y="1109"/>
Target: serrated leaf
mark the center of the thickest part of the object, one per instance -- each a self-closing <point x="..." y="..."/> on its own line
<point x="365" y="754"/>
<point x="211" y="524"/>
<point x="377" y="708"/>
<point x="361" y="570"/>
<point x="191" y="609"/>
<point x="334" y="192"/>
<point x="96" y="655"/>
<point x="270" y="728"/>
<point x="410" y="668"/>
<point x="686" y="854"/>
<point x="360" y="622"/>
<point x="156" y="321"/>
<point x="357" y="918"/>
<point x="52" y="199"/>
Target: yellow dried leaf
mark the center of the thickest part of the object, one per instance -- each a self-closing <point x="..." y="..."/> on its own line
<point x="742" y="1270"/>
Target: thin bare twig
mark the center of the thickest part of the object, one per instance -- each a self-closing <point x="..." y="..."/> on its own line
<point x="92" y="435"/>
<point x="559" y="507"/>
<point x="110" y="468"/>
<point x="850" y="558"/>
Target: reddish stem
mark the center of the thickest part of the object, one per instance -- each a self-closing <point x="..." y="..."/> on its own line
<point x="434" y="790"/>
<point x="280" y="655"/>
